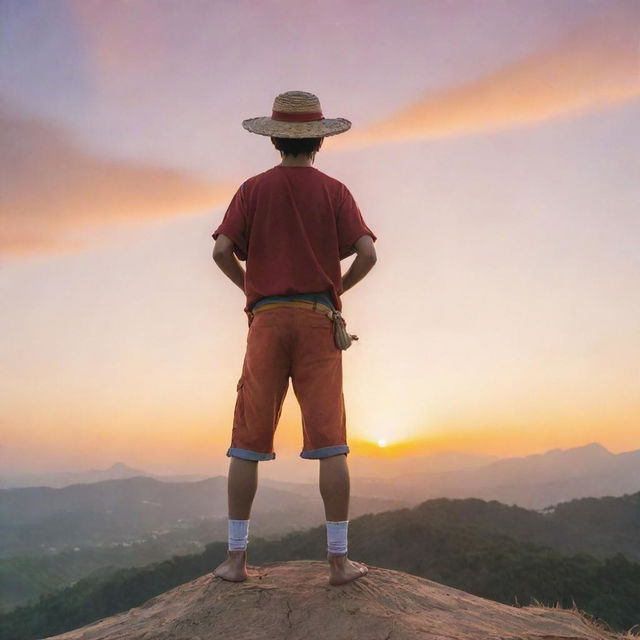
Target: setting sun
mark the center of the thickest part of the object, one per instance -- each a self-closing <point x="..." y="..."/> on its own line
<point x="382" y="442"/>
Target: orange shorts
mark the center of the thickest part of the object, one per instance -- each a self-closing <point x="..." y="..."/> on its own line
<point x="285" y="342"/>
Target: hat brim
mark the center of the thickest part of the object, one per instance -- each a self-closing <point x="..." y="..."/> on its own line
<point x="267" y="126"/>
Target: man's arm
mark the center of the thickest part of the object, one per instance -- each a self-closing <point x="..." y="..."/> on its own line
<point x="365" y="259"/>
<point x="228" y="263"/>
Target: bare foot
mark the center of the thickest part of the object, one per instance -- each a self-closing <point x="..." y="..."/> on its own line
<point x="343" y="570"/>
<point x="234" y="568"/>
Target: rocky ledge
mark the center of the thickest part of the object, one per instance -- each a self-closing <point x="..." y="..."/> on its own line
<point x="294" y="601"/>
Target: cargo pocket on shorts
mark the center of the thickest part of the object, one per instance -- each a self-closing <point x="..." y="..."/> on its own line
<point x="238" y="412"/>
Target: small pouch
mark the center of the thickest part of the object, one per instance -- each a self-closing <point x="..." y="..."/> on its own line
<point x="341" y="338"/>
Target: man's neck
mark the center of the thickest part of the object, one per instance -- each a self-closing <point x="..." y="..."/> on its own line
<point x="300" y="161"/>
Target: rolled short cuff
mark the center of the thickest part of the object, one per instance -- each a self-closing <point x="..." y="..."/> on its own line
<point x="246" y="454"/>
<point x="325" y="452"/>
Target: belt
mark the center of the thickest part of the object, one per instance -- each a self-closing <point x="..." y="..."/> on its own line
<point x="315" y="305"/>
<point x="341" y="338"/>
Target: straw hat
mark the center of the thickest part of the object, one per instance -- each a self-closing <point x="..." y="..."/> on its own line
<point x="296" y="114"/>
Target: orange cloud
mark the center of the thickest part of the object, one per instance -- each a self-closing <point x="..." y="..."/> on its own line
<point x="51" y="187"/>
<point x="596" y="66"/>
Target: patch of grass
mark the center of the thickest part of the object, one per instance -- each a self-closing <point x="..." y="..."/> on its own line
<point x="593" y="622"/>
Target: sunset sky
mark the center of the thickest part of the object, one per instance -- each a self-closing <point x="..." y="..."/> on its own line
<point x="494" y="152"/>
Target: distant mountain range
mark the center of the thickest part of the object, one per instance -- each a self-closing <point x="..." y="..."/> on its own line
<point x="50" y="537"/>
<point x="500" y="552"/>
<point x="364" y="466"/>
<point x="117" y="510"/>
<point x="534" y="481"/>
<point x="42" y="519"/>
<point x="117" y="471"/>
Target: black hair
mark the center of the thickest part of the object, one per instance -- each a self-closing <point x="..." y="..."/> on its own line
<point x="294" y="146"/>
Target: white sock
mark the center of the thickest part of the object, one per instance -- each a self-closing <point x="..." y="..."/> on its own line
<point x="238" y="534"/>
<point x="337" y="536"/>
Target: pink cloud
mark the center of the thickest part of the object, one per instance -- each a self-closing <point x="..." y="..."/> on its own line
<point x="596" y="66"/>
<point x="51" y="187"/>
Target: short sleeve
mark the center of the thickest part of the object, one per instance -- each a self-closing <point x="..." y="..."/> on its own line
<point x="234" y="223"/>
<point x="351" y="225"/>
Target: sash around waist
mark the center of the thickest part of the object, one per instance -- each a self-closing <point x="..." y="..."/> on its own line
<point x="309" y="297"/>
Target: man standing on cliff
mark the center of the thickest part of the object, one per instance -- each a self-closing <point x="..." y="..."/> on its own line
<point x="293" y="224"/>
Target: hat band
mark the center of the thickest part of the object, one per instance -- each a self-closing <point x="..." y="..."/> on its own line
<point x="286" y="116"/>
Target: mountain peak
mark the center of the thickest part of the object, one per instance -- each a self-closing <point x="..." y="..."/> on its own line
<point x="120" y="466"/>
<point x="596" y="446"/>
<point x="592" y="449"/>
<point x="294" y="600"/>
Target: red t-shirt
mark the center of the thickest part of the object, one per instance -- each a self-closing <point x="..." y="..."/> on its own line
<point x="293" y="225"/>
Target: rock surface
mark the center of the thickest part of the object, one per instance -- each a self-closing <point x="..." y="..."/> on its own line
<point x="294" y="601"/>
